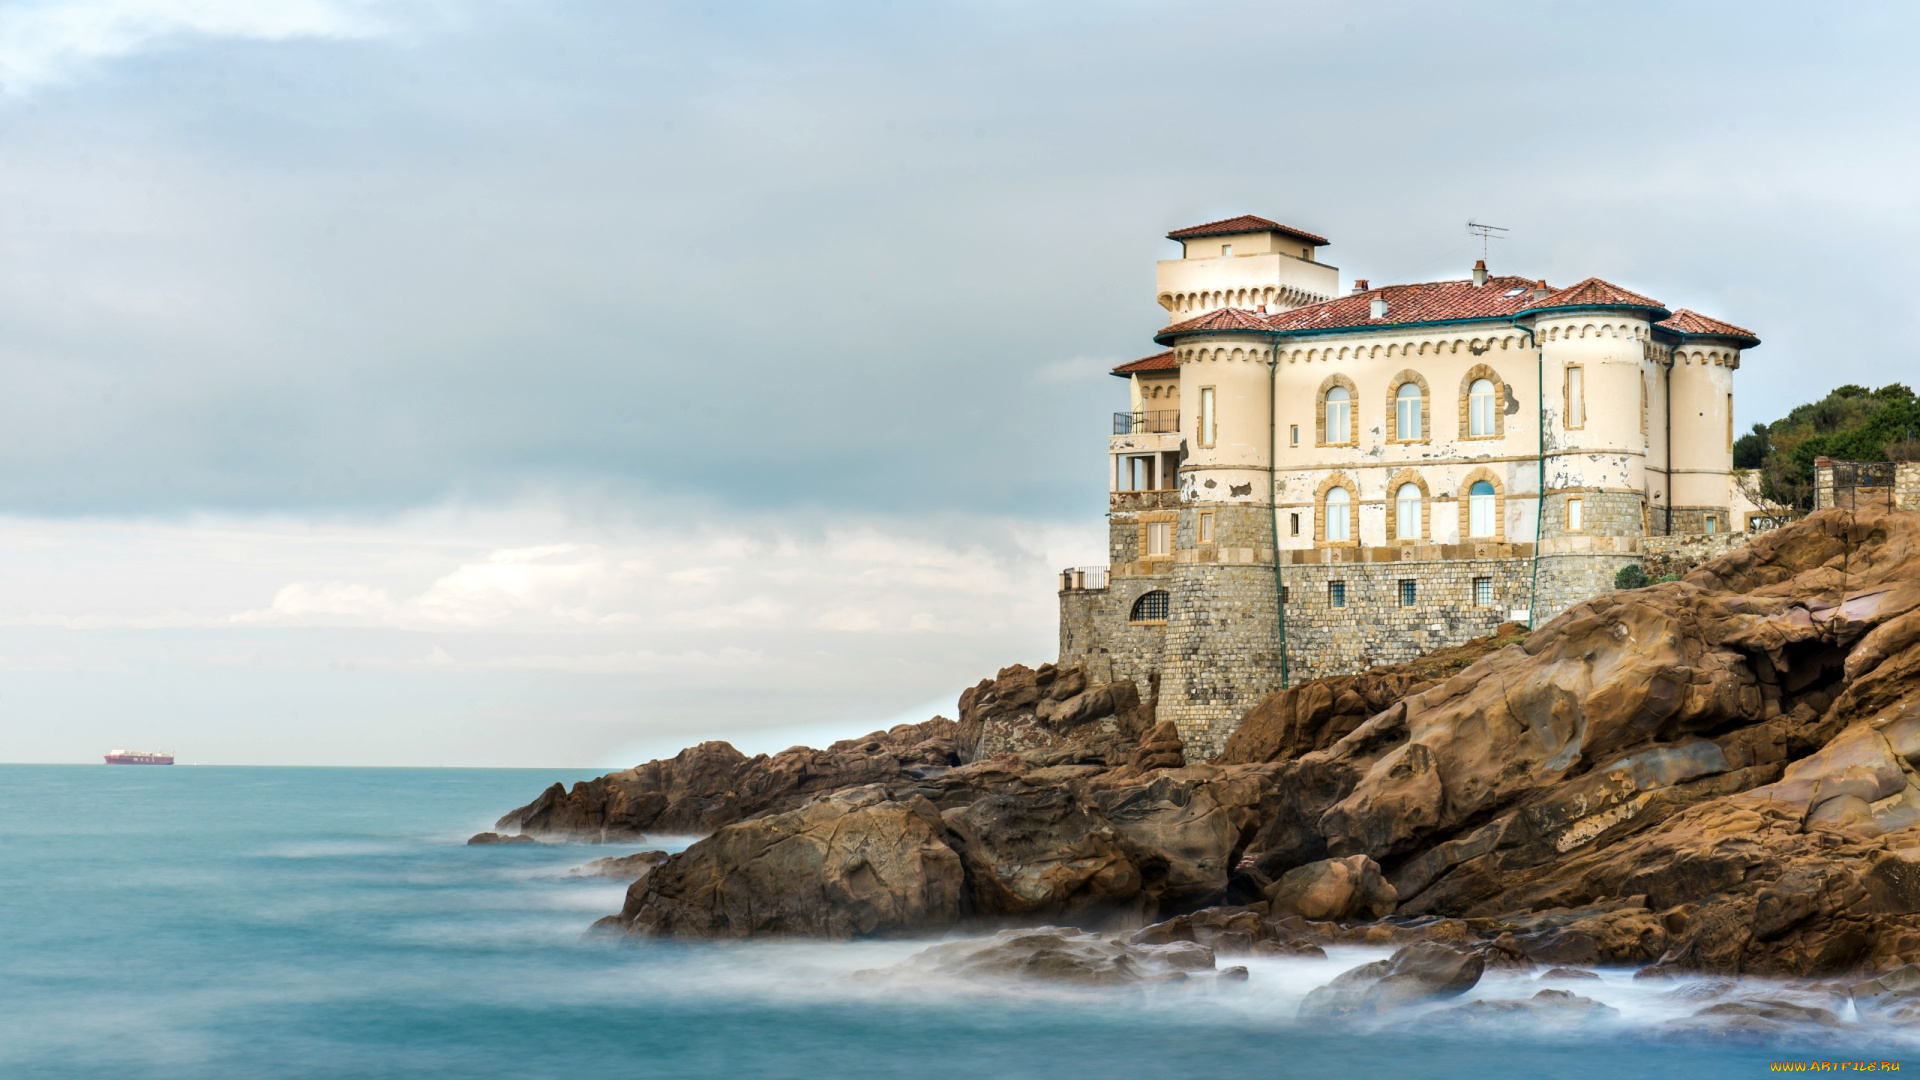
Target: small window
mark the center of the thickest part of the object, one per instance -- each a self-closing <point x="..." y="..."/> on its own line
<point x="1294" y="523"/>
<point x="1576" y="397"/>
<point x="1151" y="607"/>
<point x="1339" y="415"/>
<point x="1480" y="408"/>
<point x="1713" y="524"/>
<point x="1481" y="506"/>
<point x="1286" y="594"/>
<point x="1406" y="512"/>
<point x="1406" y="411"/>
<point x="1336" y="594"/>
<point x="1409" y="593"/>
<point x="1337" y="517"/>
<point x="1226" y="250"/>
<point x="1206" y="528"/>
<point x="1576" y="515"/>
<point x="1159" y="538"/>
<point x="1206" y="416"/>
<point x="1729" y="422"/>
<point x="1293" y="434"/>
<point x="1644" y="395"/>
<point x="1483" y="592"/>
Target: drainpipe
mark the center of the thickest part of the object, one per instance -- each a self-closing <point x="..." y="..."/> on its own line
<point x="1667" y="383"/>
<point x="1540" y="482"/>
<point x="1273" y="503"/>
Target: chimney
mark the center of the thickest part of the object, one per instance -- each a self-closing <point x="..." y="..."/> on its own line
<point x="1479" y="271"/>
<point x="1540" y="290"/>
<point x="1377" y="309"/>
<point x="1359" y="284"/>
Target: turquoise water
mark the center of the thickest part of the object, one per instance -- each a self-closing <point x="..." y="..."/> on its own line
<point x="238" y="922"/>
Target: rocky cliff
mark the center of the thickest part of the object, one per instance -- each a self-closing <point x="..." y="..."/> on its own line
<point x="1716" y="774"/>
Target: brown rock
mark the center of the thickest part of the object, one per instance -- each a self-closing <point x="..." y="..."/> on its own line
<point x="1417" y="973"/>
<point x="499" y="838"/>
<point x="1333" y="889"/>
<point x="853" y="864"/>
<point x="621" y="867"/>
<point x="1059" y="954"/>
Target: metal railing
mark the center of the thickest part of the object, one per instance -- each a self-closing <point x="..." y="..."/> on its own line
<point x="1082" y="578"/>
<point x="1158" y="422"/>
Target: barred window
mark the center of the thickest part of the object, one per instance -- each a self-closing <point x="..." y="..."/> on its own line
<point x="1409" y="593"/>
<point x="1151" y="607"/>
<point x="1336" y="594"/>
<point x="1483" y="592"/>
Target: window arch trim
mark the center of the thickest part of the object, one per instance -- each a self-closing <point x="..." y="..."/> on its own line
<point x="1320" y="521"/>
<point x="1488" y="476"/>
<point x="1393" y="407"/>
<point x="1353" y="411"/>
<point x="1400" y="480"/>
<point x="1500" y="395"/>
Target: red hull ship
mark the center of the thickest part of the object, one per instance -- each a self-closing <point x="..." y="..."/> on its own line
<point x="138" y="757"/>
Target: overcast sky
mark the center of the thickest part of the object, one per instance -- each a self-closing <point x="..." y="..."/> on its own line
<point x="547" y="382"/>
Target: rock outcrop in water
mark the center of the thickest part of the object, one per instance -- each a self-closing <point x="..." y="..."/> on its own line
<point x="1712" y="775"/>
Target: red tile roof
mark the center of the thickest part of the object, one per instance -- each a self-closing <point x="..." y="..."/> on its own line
<point x="1163" y="361"/>
<point x="1432" y="301"/>
<point x="1245" y="223"/>
<point x="1226" y="318"/>
<point x="1594" y="292"/>
<point x="1694" y="324"/>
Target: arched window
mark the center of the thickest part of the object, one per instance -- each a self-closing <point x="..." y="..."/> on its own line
<point x="1406" y="411"/>
<point x="1406" y="516"/>
<point x="1339" y="415"/>
<point x="1480" y="509"/>
<point x="1480" y="404"/>
<point x="1336" y="509"/>
<point x="1151" y="607"/>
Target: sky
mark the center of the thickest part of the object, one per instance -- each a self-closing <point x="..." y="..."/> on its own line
<point x="557" y="383"/>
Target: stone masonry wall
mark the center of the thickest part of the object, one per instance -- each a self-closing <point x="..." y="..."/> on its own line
<point x="1222" y="654"/>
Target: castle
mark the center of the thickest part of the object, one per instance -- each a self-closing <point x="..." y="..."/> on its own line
<point x="1308" y="483"/>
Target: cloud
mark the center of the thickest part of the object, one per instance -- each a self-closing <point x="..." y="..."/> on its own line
<point x="47" y="42"/>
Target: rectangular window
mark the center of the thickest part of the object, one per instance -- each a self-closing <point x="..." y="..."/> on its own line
<point x="1206" y="416"/>
<point x="1286" y="594"/>
<point x="1294" y="523"/>
<point x="1713" y="524"/>
<point x="1226" y="250"/>
<point x="1483" y="592"/>
<point x="1206" y="528"/>
<point x="1576" y="397"/>
<point x="1139" y="474"/>
<point x="1336" y="594"/>
<point x="1576" y="515"/>
<point x="1293" y="434"/>
<point x="1409" y="593"/>
<point x="1159" y="538"/>
<point x="1729" y="423"/>
<point x="1644" y="396"/>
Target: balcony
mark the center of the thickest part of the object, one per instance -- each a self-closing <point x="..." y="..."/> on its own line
<point x="1083" y="578"/>
<point x="1158" y="422"/>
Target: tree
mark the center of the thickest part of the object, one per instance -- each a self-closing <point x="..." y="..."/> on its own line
<point x="1852" y="424"/>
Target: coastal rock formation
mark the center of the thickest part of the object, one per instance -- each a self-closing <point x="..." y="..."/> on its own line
<point x="621" y="867"/>
<point x="1715" y="775"/>
<point x="1411" y="976"/>
<point x="1044" y="716"/>
<point x="853" y="864"/>
<point x="1061" y="954"/>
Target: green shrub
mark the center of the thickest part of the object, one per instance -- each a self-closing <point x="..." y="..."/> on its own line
<point x="1631" y="576"/>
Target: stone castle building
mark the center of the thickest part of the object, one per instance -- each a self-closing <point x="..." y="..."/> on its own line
<point x="1309" y="481"/>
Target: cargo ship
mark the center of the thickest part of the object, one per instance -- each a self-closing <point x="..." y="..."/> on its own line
<point x="138" y="757"/>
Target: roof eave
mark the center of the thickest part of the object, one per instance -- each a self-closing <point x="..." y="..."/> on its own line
<point x="1167" y="338"/>
<point x="1561" y="308"/>
<point x="1362" y="328"/>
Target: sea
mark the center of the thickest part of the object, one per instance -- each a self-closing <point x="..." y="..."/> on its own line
<point x="190" y="922"/>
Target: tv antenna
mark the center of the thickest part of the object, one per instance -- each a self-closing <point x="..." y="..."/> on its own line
<point x="1486" y="234"/>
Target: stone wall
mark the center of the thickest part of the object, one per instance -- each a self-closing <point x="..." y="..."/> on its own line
<point x="1680" y="554"/>
<point x="1095" y="631"/>
<point x="1222" y="654"/>
<point x="1900" y="491"/>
